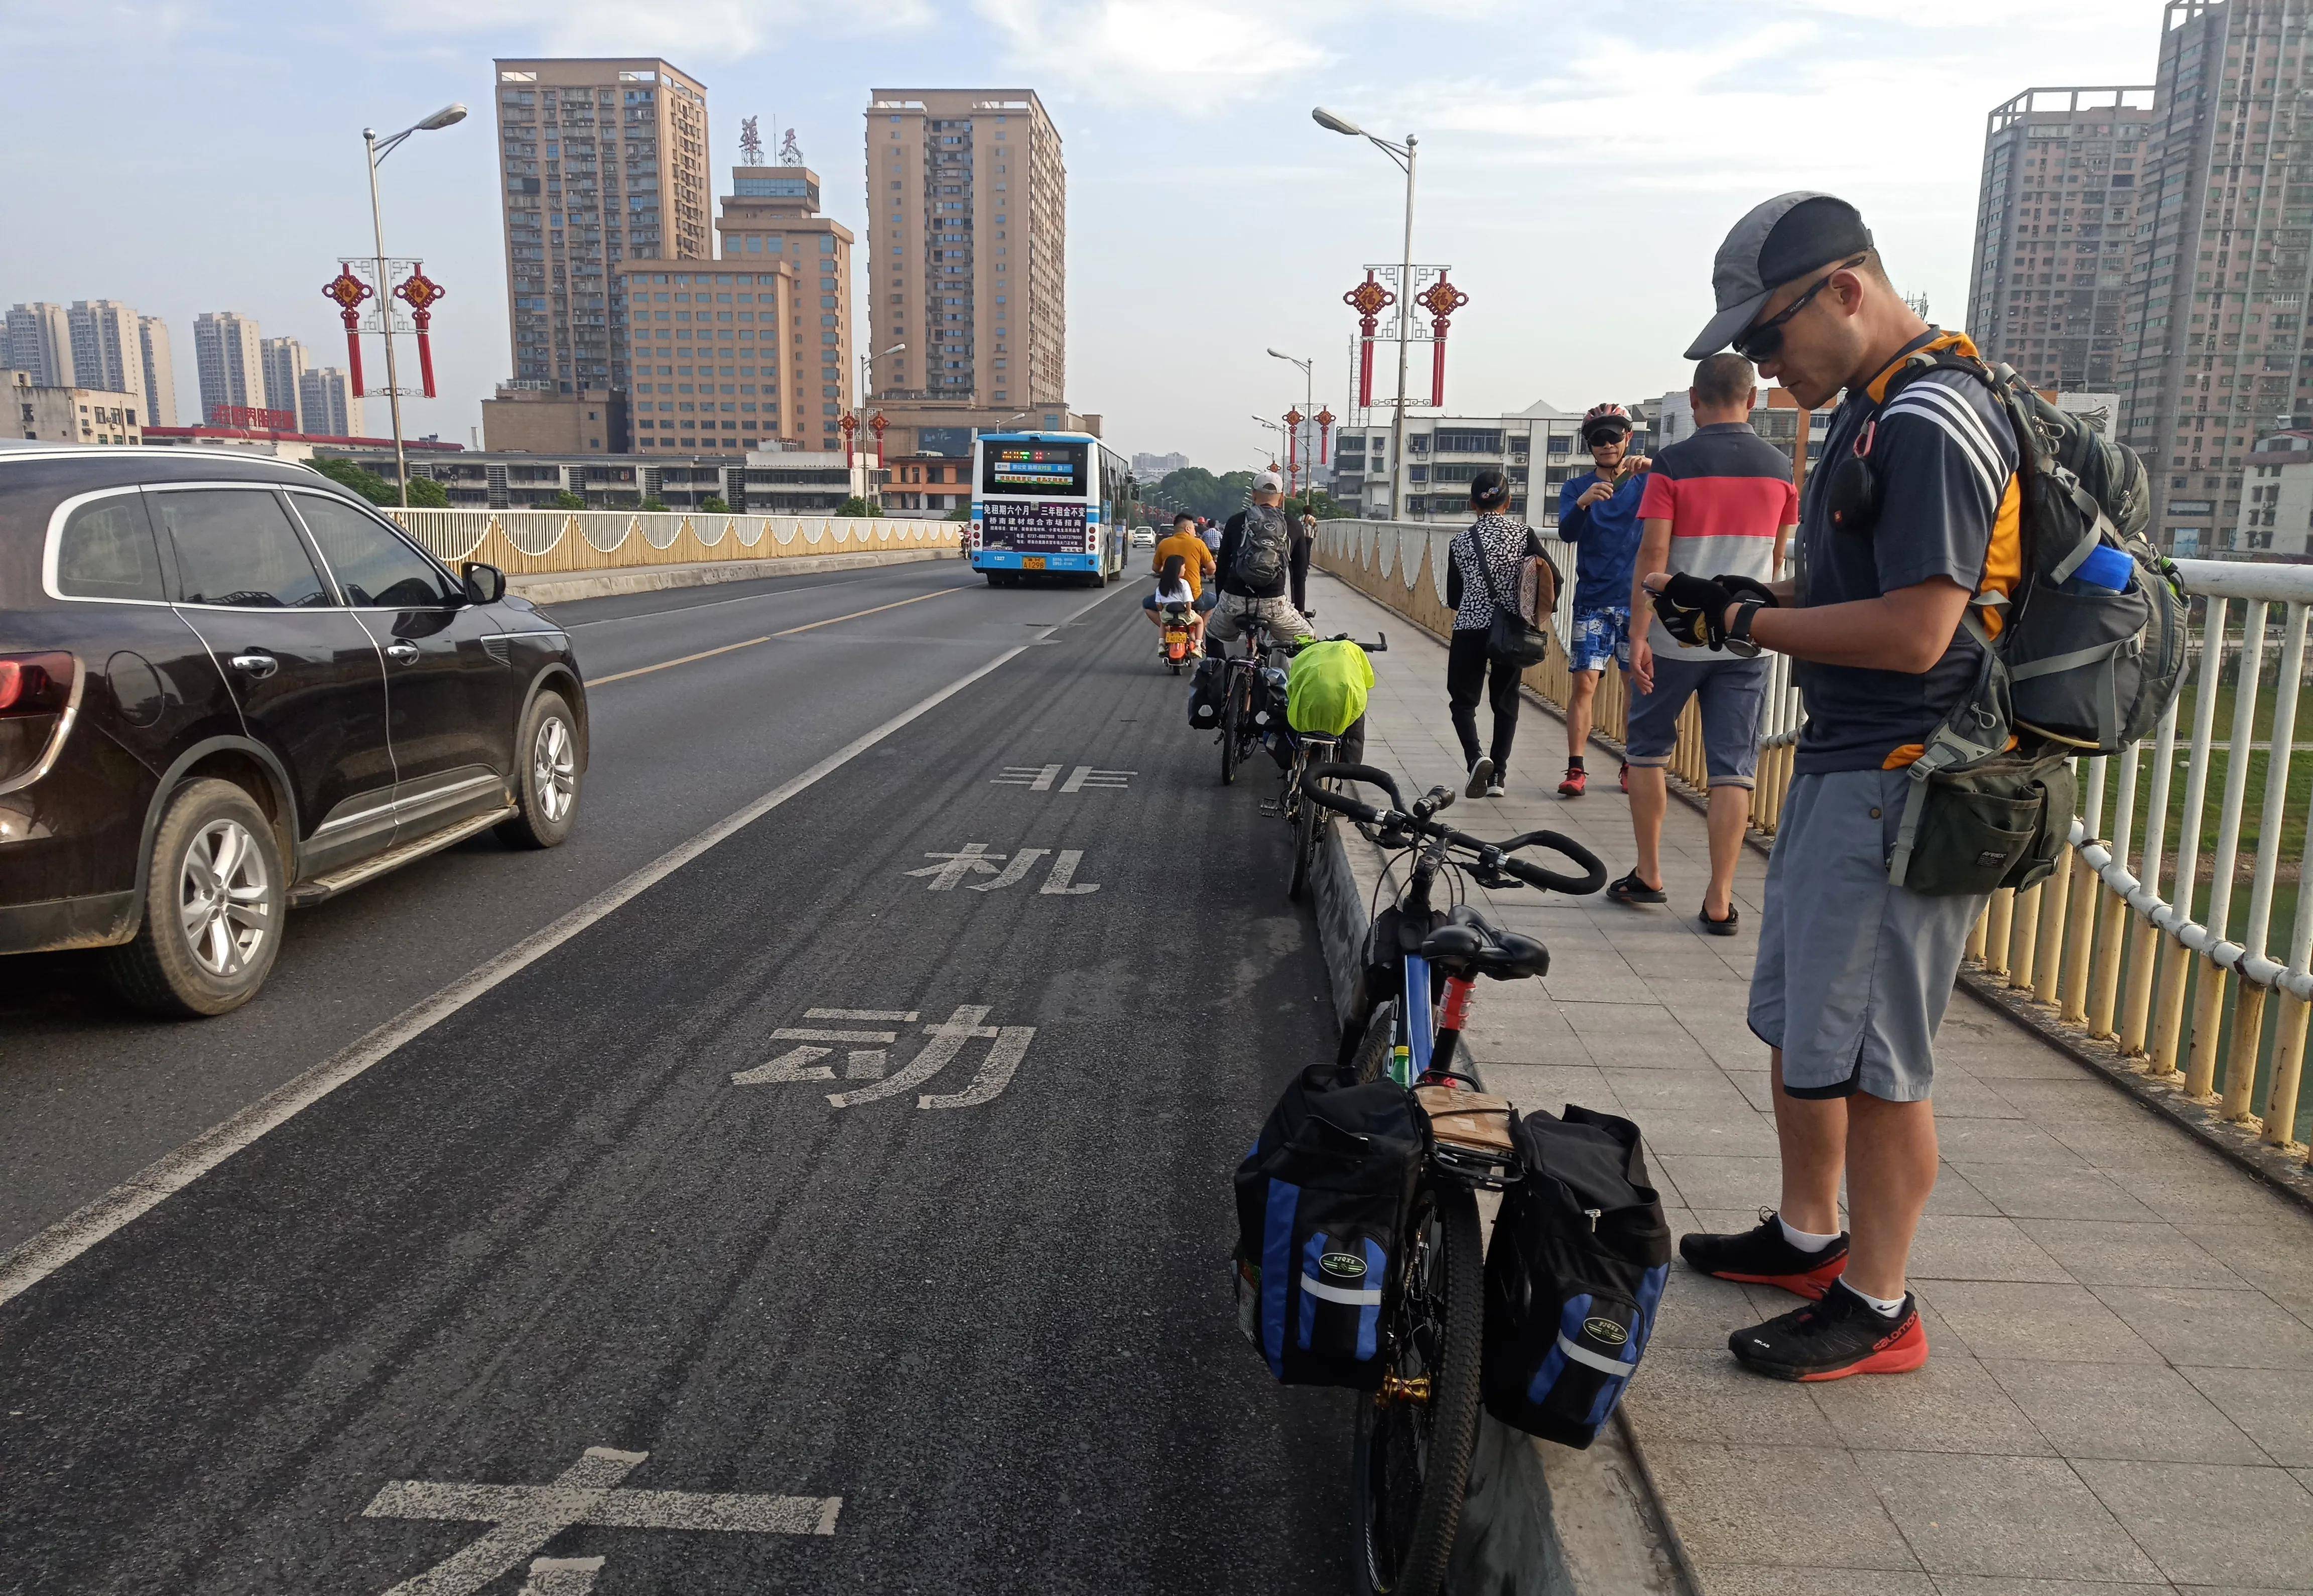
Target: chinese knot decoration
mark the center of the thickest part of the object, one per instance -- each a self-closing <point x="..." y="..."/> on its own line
<point x="1368" y="299"/>
<point x="1441" y="299"/>
<point x="1324" y="419"/>
<point x="877" y="424"/>
<point x="850" y="426"/>
<point x="347" y="291"/>
<point x="421" y="292"/>
<point x="1293" y="420"/>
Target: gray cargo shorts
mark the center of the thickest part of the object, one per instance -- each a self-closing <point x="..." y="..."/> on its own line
<point x="1734" y="693"/>
<point x="1853" y="974"/>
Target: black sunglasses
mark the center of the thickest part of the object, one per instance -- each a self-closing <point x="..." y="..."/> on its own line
<point x="1761" y="342"/>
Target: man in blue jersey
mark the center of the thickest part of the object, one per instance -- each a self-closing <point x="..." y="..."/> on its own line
<point x="1598" y="514"/>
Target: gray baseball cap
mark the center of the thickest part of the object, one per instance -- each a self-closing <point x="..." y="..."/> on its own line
<point x="1788" y="237"/>
<point x="1268" y="482"/>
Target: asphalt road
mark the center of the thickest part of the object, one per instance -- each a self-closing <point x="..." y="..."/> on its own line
<point x="983" y="1301"/>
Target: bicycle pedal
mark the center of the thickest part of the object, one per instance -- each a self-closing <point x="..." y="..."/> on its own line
<point x="1272" y="806"/>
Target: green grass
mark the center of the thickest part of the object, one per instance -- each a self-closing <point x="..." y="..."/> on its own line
<point x="2295" y="805"/>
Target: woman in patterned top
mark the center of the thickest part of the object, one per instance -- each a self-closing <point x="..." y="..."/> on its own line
<point x="1501" y="543"/>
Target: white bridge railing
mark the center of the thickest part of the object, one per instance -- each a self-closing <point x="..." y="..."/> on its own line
<point x="2158" y="933"/>
<point x="530" y="541"/>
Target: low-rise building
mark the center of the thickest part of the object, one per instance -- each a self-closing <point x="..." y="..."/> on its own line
<point x="532" y="417"/>
<point x="2276" y="512"/>
<point x="763" y="482"/>
<point x="1776" y="418"/>
<point x="709" y="373"/>
<point x="1536" y="449"/>
<point x="68" y="415"/>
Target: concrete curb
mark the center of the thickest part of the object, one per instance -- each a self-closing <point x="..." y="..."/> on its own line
<point x="559" y="588"/>
<point x="1537" y="1519"/>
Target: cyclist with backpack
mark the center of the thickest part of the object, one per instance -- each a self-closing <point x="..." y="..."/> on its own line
<point x="1483" y="568"/>
<point x="1255" y="561"/>
<point x="1910" y="547"/>
<point x="1598" y="514"/>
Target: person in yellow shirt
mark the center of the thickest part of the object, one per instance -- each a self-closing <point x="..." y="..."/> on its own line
<point x="1196" y="565"/>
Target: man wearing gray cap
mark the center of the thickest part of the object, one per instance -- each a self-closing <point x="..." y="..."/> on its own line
<point x="1256" y="559"/>
<point x="1910" y="519"/>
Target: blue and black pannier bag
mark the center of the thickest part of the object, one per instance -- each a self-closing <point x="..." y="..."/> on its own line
<point x="1206" y="687"/>
<point x="1320" y="1203"/>
<point x="1574" y="1276"/>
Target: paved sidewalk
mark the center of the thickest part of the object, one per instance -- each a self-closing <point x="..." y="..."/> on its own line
<point x="2121" y="1390"/>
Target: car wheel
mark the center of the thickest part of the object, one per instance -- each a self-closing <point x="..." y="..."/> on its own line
<point x="214" y="898"/>
<point x="546" y="777"/>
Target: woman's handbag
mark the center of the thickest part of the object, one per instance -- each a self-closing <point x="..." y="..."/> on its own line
<point x="1514" y="636"/>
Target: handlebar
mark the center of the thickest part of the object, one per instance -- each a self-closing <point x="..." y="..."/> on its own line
<point x="1490" y="856"/>
<point x="1380" y="645"/>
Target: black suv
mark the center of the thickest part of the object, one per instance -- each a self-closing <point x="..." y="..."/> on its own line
<point x="228" y="687"/>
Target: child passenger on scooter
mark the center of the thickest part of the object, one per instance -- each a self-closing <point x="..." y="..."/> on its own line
<point x="1173" y="588"/>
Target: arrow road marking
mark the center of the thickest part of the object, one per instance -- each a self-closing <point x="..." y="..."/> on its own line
<point x="523" y="1518"/>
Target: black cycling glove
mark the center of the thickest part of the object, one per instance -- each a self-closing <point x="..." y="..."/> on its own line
<point x="1694" y="610"/>
<point x="1745" y="587"/>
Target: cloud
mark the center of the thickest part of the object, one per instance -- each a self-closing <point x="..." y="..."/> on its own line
<point x="702" y="29"/>
<point x="1123" y="51"/>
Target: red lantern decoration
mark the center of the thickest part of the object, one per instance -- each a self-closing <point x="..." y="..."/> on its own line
<point x="1293" y="420"/>
<point x="421" y="292"/>
<point x="347" y="291"/>
<point x="1441" y="299"/>
<point x="1368" y="299"/>
<point x="850" y="425"/>
<point x="877" y="424"/>
<point x="1324" y="419"/>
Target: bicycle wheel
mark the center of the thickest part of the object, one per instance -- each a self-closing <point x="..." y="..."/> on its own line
<point x="1307" y="828"/>
<point x="1231" y="707"/>
<point x="1415" y="1438"/>
<point x="1370" y="1061"/>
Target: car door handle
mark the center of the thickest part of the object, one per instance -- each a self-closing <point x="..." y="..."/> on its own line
<point x="259" y="665"/>
<point x="401" y="653"/>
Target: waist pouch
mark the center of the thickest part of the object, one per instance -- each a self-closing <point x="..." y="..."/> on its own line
<point x="1321" y="1201"/>
<point x="2001" y="823"/>
<point x="1574" y="1276"/>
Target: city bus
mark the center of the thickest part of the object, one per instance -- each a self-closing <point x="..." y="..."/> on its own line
<point x="1049" y="504"/>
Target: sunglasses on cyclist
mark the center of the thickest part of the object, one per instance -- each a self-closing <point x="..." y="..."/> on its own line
<point x="1764" y="341"/>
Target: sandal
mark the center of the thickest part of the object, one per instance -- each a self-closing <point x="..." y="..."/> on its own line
<point x="1725" y="927"/>
<point x="1630" y="889"/>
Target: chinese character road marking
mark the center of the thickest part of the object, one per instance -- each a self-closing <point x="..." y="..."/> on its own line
<point x="1036" y="779"/>
<point x="525" y="1517"/>
<point x="1084" y="776"/>
<point x="801" y="1064"/>
<point x="561" y="1576"/>
<point x="944" y="1041"/>
<point x="907" y="1014"/>
<point x="974" y="859"/>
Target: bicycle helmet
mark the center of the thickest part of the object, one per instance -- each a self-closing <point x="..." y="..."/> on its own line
<point x="1602" y="418"/>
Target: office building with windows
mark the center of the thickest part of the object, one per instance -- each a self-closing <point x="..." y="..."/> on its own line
<point x="711" y="368"/>
<point x="772" y="218"/>
<point x="37" y="341"/>
<point x="285" y="376"/>
<point x="967" y="212"/>
<point x="160" y="371"/>
<point x="228" y="348"/>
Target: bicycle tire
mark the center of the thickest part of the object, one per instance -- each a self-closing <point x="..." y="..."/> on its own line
<point x="1307" y="828"/>
<point x="1370" y="1061"/>
<point x="1229" y="732"/>
<point x="1424" y="1449"/>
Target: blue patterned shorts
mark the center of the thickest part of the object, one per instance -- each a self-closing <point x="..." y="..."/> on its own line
<point x="1600" y="636"/>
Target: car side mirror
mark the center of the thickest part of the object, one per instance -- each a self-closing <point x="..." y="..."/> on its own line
<point x="485" y="585"/>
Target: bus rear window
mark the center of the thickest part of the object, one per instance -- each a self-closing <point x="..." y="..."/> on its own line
<point x="1034" y="469"/>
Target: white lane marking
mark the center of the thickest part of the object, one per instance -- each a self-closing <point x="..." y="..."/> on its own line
<point x="994" y="1071"/>
<point x="611" y="620"/>
<point x="561" y="1576"/>
<point x="942" y="1043"/>
<point x="797" y="1064"/>
<point x="1036" y="779"/>
<point x="974" y="860"/>
<point x="1084" y="776"/>
<point x="907" y="1014"/>
<point x="42" y="1255"/>
<point x="523" y="1518"/>
<point x="1022" y="863"/>
<point x="1062" y="882"/>
<point x="708" y="653"/>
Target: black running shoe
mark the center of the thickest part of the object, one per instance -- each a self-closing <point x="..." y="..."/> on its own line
<point x="1839" y="1336"/>
<point x="1762" y="1257"/>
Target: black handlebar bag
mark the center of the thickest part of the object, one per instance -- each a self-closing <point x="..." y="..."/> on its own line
<point x="1574" y="1276"/>
<point x="1319" y="1201"/>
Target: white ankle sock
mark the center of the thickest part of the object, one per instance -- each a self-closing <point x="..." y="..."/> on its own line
<point x="1884" y="1307"/>
<point x="1805" y="1240"/>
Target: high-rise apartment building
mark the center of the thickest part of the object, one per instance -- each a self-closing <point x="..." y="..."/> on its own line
<point x="106" y="351"/>
<point x="967" y="212"/>
<point x="2054" y="219"/>
<point x="39" y="342"/>
<point x="771" y="216"/>
<point x="601" y="161"/>
<point x="226" y="348"/>
<point x="160" y="371"/>
<point x="284" y="372"/>
<point x="2215" y="354"/>
<point x="327" y="405"/>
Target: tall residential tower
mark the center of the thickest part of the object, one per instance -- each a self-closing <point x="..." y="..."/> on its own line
<point x="160" y="371"/>
<point x="226" y="348"/>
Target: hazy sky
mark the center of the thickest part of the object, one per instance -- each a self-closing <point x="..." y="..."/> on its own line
<point x="1579" y="162"/>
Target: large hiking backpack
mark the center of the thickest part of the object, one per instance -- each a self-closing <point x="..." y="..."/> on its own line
<point x="1574" y="1276"/>
<point x="1262" y="550"/>
<point x="1321" y="1200"/>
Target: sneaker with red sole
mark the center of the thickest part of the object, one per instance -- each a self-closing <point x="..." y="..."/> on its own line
<point x="1839" y="1336"/>
<point x="1762" y="1257"/>
<point x="1575" y="784"/>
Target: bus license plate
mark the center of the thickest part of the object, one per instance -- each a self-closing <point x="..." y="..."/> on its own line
<point x="1035" y="562"/>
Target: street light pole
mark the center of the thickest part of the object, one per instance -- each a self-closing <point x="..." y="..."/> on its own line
<point x="377" y="150"/>
<point x="1403" y="155"/>
<point x="1308" y="396"/>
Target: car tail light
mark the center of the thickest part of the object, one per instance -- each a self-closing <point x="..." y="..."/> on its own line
<point x="36" y="691"/>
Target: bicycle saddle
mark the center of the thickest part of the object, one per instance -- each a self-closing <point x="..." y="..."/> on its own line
<point x="1466" y="939"/>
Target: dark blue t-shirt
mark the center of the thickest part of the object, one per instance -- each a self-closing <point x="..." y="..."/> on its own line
<point x="1943" y="453"/>
<point x="1606" y="539"/>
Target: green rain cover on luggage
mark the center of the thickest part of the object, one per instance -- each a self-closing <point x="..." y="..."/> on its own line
<point x="1325" y="687"/>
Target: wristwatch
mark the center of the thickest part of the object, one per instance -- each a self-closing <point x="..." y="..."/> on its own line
<point x="1738" y="634"/>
